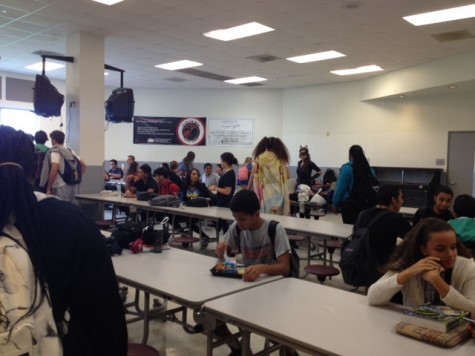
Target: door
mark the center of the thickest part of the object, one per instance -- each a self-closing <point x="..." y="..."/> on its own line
<point x="461" y="162"/>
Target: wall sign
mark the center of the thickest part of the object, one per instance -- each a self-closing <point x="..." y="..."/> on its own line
<point x="189" y="131"/>
<point x="230" y="132"/>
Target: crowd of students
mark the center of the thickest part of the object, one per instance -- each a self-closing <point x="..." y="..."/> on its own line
<point x="431" y="264"/>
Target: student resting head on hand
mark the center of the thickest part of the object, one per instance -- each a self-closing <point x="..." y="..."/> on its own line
<point x="430" y="266"/>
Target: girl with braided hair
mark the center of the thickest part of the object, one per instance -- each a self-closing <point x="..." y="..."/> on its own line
<point x="58" y="291"/>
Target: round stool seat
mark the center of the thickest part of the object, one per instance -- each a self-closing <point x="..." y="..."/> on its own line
<point x="322" y="272"/>
<point x="141" y="350"/>
<point x="296" y="237"/>
<point x="105" y="224"/>
<point x="331" y="245"/>
<point x="185" y="240"/>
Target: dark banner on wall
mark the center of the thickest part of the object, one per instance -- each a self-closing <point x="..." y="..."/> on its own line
<point x="189" y="131"/>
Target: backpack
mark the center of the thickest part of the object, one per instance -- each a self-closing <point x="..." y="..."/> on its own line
<point x="294" y="257"/>
<point x="126" y="233"/>
<point x="72" y="170"/>
<point x="243" y="173"/>
<point x="364" y="193"/>
<point x="358" y="263"/>
<point x="165" y="200"/>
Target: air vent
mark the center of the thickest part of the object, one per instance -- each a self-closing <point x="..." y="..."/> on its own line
<point x="203" y="74"/>
<point x="263" y="58"/>
<point x="46" y="53"/>
<point x="252" y="84"/>
<point x="452" y="36"/>
<point x="175" y="79"/>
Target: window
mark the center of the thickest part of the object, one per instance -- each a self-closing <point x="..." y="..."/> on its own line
<point x="19" y="119"/>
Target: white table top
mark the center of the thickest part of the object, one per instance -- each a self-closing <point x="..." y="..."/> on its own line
<point x="405" y="210"/>
<point x="182" y="275"/>
<point x="321" y="319"/>
<point x="306" y="226"/>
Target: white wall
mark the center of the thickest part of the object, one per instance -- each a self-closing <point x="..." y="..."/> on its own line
<point x="264" y="106"/>
<point x="409" y="132"/>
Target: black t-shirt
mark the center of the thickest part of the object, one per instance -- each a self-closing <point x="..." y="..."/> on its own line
<point x="428" y="212"/>
<point x="304" y="176"/>
<point x="228" y="179"/>
<point x="141" y="186"/>
<point x="384" y="232"/>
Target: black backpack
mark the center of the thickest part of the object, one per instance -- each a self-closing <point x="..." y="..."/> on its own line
<point x="294" y="257"/>
<point x="364" y="193"/>
<point x="358" y="264"/>
<point x="127" y="232"/>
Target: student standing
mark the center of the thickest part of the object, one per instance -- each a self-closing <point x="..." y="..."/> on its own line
<point x="226" y="185"/>
<point x="305" y="168"/>
<point x="53" y="168"/>
<point x="270" y="176"/>
<point x="350" y="196"/>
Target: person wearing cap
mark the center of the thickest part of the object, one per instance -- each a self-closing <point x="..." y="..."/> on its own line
<point x="40" y="139"/>
<point x="305" y="167"/>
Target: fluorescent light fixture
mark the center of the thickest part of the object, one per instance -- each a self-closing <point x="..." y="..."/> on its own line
<point x="452" y="14"/>
<point x="233" y="33"/>
<point x="106" y="73"/>
<point x="359" y="70"/>
<point x="108" y="2"/>
<point x="49" y="66"/>
<point x="245" y="80"/>
<point x="321" y="56"/>
<point x="179" y="65"/>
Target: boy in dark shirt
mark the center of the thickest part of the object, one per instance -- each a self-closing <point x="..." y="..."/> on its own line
<point x="441" y="209"/>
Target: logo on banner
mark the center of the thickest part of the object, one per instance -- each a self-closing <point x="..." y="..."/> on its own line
<point x="190" y="131"/>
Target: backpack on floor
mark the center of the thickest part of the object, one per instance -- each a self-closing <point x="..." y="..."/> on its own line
<point x="294" y="257"/>
<point x="359" y="264"/>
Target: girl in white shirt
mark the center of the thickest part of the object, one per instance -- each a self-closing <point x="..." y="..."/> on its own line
<point x="430" y="266"/>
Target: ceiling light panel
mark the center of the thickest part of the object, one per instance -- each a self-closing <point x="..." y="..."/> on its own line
<point x="108" y="2"/>
<point x="314" y="57"/>
<point x="179" y="65"/>
<point x="452" y="14"/>
<point x="245" y="80"/>
<point x="358" y="70"/>
<point x="241" y="31"/>
<point x="49" y="66"/>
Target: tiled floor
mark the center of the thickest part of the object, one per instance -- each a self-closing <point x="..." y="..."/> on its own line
<point x="172" y="340"/>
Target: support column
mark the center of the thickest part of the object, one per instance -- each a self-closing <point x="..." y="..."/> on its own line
<point x="85" y="105"/>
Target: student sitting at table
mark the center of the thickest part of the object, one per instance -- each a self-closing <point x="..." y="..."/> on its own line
<point x="443" y="196"/>
<point x="430" y="266"/>
<point x="249" y="235"/>
<point x="143" y="182"/>
<point x="464" y="221"/>
<point x="193" y="189"/>
<point x="165" y="185"/>
<point x="114" y="172"/>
